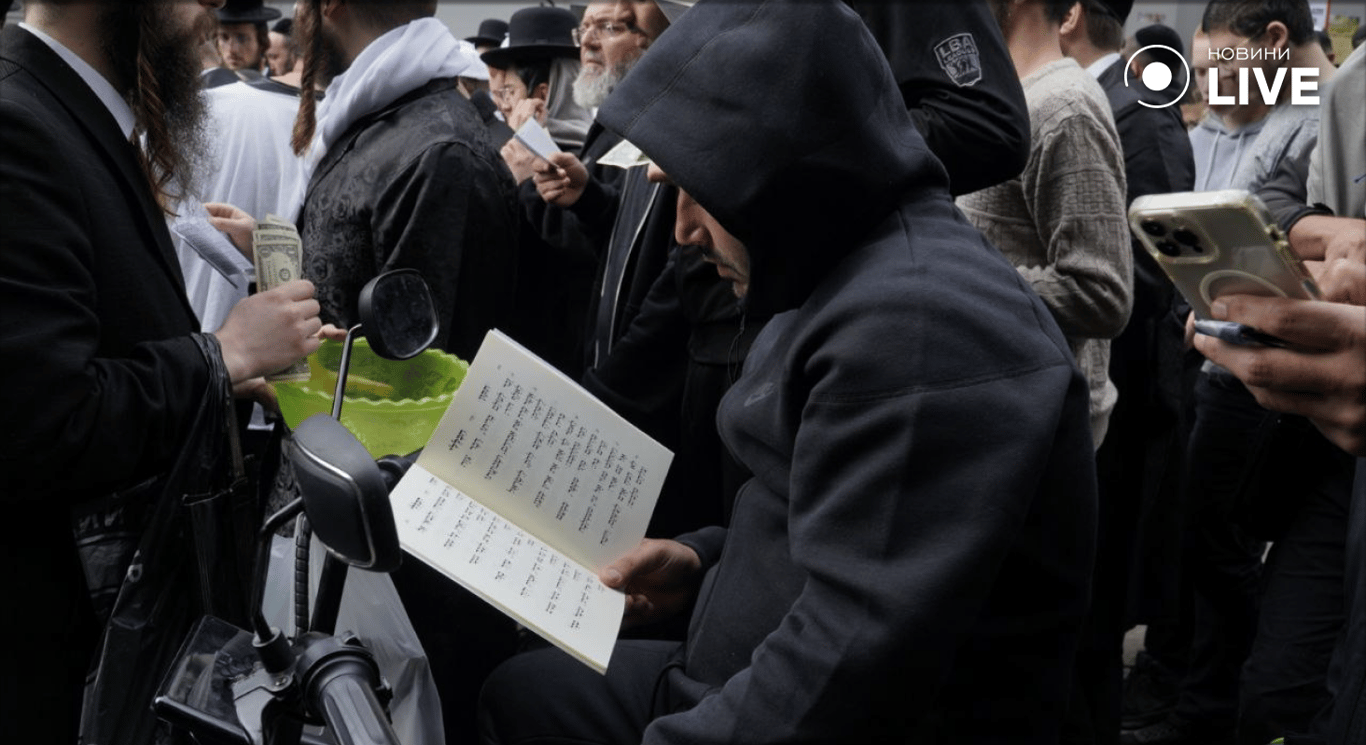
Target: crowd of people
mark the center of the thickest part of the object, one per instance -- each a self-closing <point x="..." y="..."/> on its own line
<point x="943" y="434"/>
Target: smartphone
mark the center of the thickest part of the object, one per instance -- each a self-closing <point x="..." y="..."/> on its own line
<point x="1236" y="333"/>
<point x="1219" y="243"/>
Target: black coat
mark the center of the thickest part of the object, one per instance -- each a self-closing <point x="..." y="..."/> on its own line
<point x="912" y="557"/>
<point x="416" y="185"/>
<point x="1152" y="371"/>
<point x="959" y="84"/>
<point x="621" y="223"/>
<point x="98" y="373"/>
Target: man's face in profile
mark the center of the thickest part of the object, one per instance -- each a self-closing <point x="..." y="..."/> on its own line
<point x="278" y="56"/>
<point x="166" y="35"/>
<point x="694" y="226"/>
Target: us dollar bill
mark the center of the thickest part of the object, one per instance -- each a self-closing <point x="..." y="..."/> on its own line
<point x="278" y="253"/>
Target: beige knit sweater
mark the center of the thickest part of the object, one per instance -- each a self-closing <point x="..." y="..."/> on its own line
<point x="1062" y="221"/>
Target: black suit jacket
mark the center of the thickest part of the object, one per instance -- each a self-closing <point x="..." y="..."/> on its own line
<point x="1157" y="160"/>
<point x="98" y="373"/>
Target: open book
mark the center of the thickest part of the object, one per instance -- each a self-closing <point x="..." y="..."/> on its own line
<point x="527" y="489"/>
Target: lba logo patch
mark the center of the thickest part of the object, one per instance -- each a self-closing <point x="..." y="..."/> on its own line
<point x="960" y="60"/>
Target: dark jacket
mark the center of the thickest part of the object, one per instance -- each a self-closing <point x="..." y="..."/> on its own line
<point x="1349" y="707"/>
<point x="624" y="224"/>
<point x="1151" y="370"/>
<point x="1286" y="193"/>
<point x="913" y="553"/>
<point x="1157" y="160"/>
<point x="959" y="84"/>
<point x="417" y="185"/>
<point x="667" y="374"/>
<point x="98" y="374"/>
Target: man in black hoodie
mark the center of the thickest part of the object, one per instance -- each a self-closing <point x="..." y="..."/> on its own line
<point x="912" y="556"/>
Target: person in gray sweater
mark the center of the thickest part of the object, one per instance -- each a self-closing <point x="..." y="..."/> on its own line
<point x="1061" y="222"/>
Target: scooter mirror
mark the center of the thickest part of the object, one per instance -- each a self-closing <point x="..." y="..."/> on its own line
<point x="345" y="495"/>
<point x="398" y="315"/>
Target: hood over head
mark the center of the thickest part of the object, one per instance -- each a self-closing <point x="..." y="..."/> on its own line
<point x="784" y="122"/>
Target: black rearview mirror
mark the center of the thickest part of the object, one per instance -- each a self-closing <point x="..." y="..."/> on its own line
<point x="345" y="495"/>
<point x="398" y="315"/>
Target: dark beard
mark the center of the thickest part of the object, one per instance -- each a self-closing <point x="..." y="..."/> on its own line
<point x="167" y="104"/>
<point x="319" y="47"/>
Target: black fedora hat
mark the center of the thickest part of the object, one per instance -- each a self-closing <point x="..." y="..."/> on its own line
<point x="246" y="11"/>
<point x="536" y="33"/>
<point x="491" y="32"/>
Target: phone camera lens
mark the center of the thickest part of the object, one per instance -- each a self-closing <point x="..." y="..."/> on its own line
<point x="1154" y="228"/>
<point x="1186" y="237"/>
<point x="1169" y="248"/>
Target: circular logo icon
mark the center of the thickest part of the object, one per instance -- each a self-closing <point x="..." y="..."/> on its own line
<point x="1158" y="75"/>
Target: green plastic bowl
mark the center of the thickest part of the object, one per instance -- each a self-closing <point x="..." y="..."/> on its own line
<point x="392" y="407"/>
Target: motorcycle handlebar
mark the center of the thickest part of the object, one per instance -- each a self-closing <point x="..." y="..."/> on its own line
<point x="344" y="696"/>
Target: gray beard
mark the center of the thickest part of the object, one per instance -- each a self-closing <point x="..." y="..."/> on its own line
<point x="591" y="92"/>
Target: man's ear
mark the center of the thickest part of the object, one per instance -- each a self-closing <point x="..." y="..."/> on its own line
<point x="1073" y="20"/>
<point x="542" y="92"/>
<point x="1277" y="35"/>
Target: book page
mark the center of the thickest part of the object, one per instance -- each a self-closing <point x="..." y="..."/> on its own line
<point x="530" y="444"/>
<point x="542" y="588"/>
<point x="537" y="139"/>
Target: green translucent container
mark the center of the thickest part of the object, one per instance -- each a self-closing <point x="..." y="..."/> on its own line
<point x="392" y="407"/>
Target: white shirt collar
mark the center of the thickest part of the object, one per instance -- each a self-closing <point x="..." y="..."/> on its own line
<point x="123" y="114"/>
<point x="1102" y="64"/>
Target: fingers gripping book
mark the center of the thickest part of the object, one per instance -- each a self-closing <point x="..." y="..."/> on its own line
<point x="526" y="490"/>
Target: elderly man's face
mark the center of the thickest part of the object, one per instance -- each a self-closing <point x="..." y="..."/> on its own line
<point x="238" y="46"/>
<point x="613" y="37"/>
<point x="616" y="33"/>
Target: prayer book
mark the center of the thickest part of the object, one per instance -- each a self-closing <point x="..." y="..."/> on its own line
<point x="526" y="490"/>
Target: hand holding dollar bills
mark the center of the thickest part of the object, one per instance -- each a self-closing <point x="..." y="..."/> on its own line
<point x="278" y="254"/>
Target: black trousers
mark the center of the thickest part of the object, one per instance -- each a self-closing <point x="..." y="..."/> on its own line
<point x="1221" y="562"/>
<point x="1284" y="681"/>
<point x="549" y="698"/>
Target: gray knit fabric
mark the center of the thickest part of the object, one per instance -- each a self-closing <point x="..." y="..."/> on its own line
<point x="1062" y="221"/>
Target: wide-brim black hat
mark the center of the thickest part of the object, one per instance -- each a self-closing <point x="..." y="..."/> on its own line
<point x="536" y="33"/>
<point x="246" y="11"/>
<point x="491" y="33"/>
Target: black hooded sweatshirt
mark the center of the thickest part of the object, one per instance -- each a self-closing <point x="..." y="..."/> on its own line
<point x="913" y="555"/>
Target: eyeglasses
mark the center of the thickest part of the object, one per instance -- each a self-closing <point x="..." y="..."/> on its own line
<point x="604" y="30"/>
<point x="505" y="92"/>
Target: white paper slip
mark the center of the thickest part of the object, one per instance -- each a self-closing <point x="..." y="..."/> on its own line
<point x="527" y="489"/>
<point x="624" y="155"/>
<point x="536" y="139"/>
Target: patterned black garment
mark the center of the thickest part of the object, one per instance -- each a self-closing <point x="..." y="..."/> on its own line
<point x="417" y="185"/>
